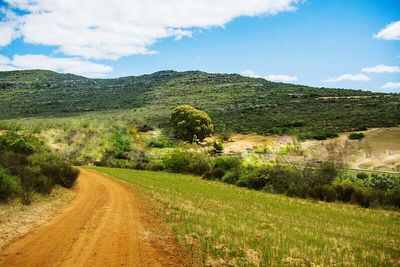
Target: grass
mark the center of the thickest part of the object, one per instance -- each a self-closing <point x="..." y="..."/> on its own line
<point x="222" y="224"/>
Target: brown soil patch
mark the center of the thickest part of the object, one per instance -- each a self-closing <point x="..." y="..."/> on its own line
<point x="17" y="219"/>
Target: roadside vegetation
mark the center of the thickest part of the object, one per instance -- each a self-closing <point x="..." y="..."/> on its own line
<point x="222" y="224"/>
<point x="27" y="167"/>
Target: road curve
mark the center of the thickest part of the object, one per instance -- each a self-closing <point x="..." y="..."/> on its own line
<point x="102" y="226"/>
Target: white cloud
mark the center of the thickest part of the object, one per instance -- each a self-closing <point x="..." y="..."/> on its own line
<point x="8" y="27"/>
<point x="382" y="69"/>
<point x="349" y="77"/>
<point x="390" y="32"/>
<point x="391" y="85"/>
<point x="64" y="65"/>
<point x="281" y="78"/>
<point x="250" y="73"/>
<point x="109" y="29"/>
<point x="271" y="77"/>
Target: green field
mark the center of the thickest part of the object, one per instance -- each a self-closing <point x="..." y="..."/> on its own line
<point x="223" y="224"/>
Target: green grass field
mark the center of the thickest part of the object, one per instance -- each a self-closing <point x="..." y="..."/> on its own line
<point x="224" y="224"/>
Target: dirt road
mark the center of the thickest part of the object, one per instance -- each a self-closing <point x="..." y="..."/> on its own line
<point x="105" y="225"/>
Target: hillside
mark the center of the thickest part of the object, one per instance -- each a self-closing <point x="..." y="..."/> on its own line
<point x="234" y="102"/>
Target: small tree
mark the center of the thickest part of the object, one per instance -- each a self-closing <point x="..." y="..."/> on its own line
<point x="191" y="124"/>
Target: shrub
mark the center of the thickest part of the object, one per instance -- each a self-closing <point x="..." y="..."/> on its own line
<point x="20" y="143"/>
<point x="384" y="182"/>
<point x="68" y="176"/>
<point x="344" y="192"/>
<point x="324" y="193"/>
<point x="230" y="178"/>
<point x="9" y="186"/>
<point x="242" y="183"/>
<point x="218" y="147"/>
<point x="208" y="175"/>
<point x="159" y="142"/>
<point x="393" y="198"/>
<point x="366" y="197"/>
<point x="156" y="165"/>
<point x="326" y="173"/>
<point x="53" y="167"/>
<point x="182" y="160"/>
<point x="228" y="163"/>
<point x="218" y="173"/>
<point x="362" y="176"/>
<point x="356" y="136"/>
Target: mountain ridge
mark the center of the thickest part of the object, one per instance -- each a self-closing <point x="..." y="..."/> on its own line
<point x="235" y="102"/>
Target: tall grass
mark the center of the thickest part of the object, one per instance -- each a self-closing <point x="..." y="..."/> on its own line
<point x="223" y="224"/>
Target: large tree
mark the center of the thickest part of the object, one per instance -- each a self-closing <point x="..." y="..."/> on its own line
<point x="191" y="124"/>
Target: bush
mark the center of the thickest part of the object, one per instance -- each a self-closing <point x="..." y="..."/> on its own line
<point x="20" y="143"/>
<point x="228" y="163"/>
<point x="365" y="197"/>
<point x="393" y="198"/>
<point x="362" y="176"/>
<point x="344" y="192"/>
<point x="218" y="173"/>
<point x="242" y="183"/>
<point x="9" y="186"/>
<point x="230" y="178"/>
<point x="182" y="160"/>
<point x="324" y="193"/>
<point x="159" y="142"/>
<point x="218" y="147"/>
<point x="156" y="165"/>
<point x="384" y="182"/>
<point x="356" y="136"/>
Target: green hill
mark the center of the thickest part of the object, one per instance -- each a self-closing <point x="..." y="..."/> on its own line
<point x="234" y="102"/>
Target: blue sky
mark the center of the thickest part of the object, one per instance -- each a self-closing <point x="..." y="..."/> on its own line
<point x="329" y="43"/>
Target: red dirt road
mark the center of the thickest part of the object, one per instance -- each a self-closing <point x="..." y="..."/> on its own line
<point x="103" y="226"/>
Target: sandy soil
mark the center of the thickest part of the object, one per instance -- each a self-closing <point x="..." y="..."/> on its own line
<point x="107" y="224"/>
<point x="246" y="142"/>
<point x="17" y="219"/>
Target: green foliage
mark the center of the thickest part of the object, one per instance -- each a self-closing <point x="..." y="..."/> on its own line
<point x="356" y="136"/>
<point x="183" y="160"/>
<point x="362" y="176"/>
<point x="156" y="165"/>
<point x="121" y="142"/>
<point x="384" y="182"/>
<point x="228" y="163"/>
<point x="239" y="104"/>
<point x="160" y="141"/>
<point x="191" y="124"/>
<point x="9" y="186"/>
<point x="218" y="147"/>
<point x="20" y="142"/>
<point x="37" y="169"/>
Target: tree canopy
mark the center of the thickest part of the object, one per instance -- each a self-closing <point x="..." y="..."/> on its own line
<point x="191" y="124"/>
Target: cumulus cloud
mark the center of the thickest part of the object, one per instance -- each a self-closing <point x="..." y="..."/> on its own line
<point x="109" y="29"/>
<point x="270" y="77"/>
<point x="281" y="78"/>
<point x="390" y="32"/>
<point x="349" y="77"/>
<point x="63" y="65"/>
<point x="391" y="85"/>
<point x="8" y="27"/>
<point x="382" y="69"/>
